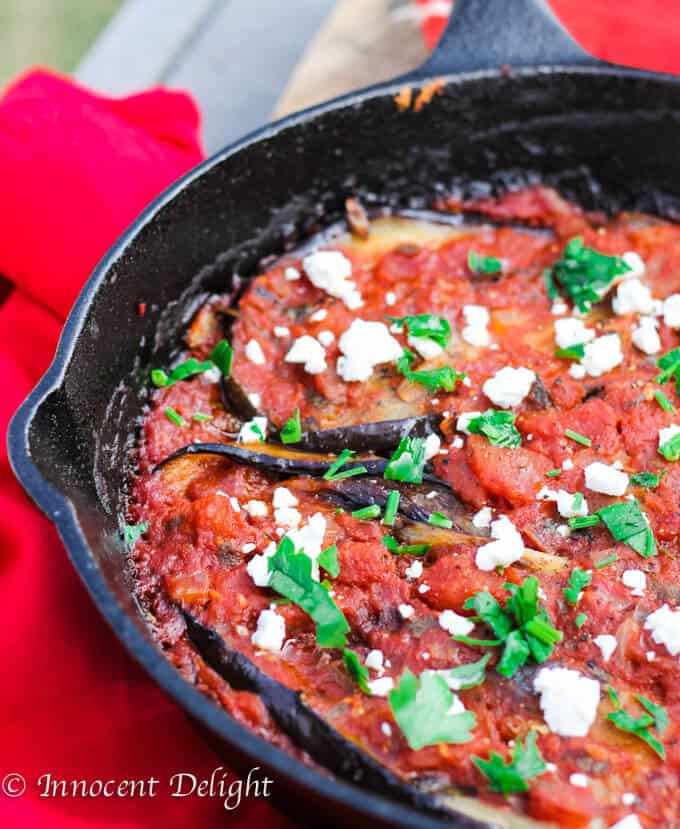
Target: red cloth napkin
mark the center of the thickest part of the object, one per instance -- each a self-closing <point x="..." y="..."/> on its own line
<point x="75" y="170"/>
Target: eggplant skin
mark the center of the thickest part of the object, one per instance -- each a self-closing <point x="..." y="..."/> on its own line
<point x="306" y="728"/>
<point x="380" y="437"/>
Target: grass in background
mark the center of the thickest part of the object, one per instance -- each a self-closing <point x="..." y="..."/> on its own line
<point x="54" y="33"/>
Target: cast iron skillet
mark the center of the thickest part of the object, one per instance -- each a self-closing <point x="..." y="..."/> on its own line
<point x="605" y="136"/>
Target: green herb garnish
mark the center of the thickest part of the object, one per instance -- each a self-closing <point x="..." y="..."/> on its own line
<point x="292" y="431"/>
<point x="444" y="378"/>
<point x="656" y="717"/>
<point x="578" y="580"/>
<point x="189" y="368"/>
<point x="497" y="427"/>
<point x="391" y="508"/>
<point x="585" y="274"/>
<point x="572" y="352"/>
<point x="133" y="532"/>
<point x="407" y="462"/>
<point x="580" y="620"/>
<point x="438" y="519"/>
<point x="670" y="449"/>
<point x="626" y="523"/>
<point x="578" y="438"/>
<point x="484" y="264"/>
<point x="603" y="562"/>
<point x="583" y="521"/>
<point x="174" y="416"/>
<point x="428" y="326"/>
<point x="404" y="549"/>
<point x="512" y="776"/>
<point x="650" y="480"/>
<point x="332" y="473"/>
<point x="328" y="559"/>
<point x="663" y="401"/>
<point x="554" y="473"/>
<point x="467" y="676"/>
<point x="421" y="706"/>
<point x="355" y="669"/>
<point x="371" y="511"/>
<point x="222" y="355"/>
<point x="200" y="417"/>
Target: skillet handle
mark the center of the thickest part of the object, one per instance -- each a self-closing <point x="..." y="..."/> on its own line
<point x="486" y="34"/>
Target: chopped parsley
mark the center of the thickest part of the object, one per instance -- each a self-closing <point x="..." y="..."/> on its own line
<point x="438" y="519"/>
<point x="554" y="473"/>
<point x="655" y="717"/>
<point x="650" y="480"/>
<point x="133" y="532"/>
<point x="522" y="627"/>
<point x="391" y="508"/>
<point x="407" y="462"/>
<point x="222" y="355"/>
<point x="189" y="368"/>
<point x="585" y="274"/>
<point x="663" y="401"/>
<point x="429" y="326"/>
<point x="578" y="438"/>
<point x="469" y="675"/>
<point x="355" y="669"/>
<point x="445" y="378"/>
<point x="578" y="580"/>
<point x="292" y="431"/>
<point x="484" y="264"/>
<point x="328" y="559"/>
<point x="497" y="427"/>
<point x="625" y="522"/>
<point x="371" y="511"/>
<point x="422" y="708"/>
<point x="404" y="549"/>
<point x="201" y="417"/>
<point x="291" y="577"/>
<point x="506" y="778"/>
<point x="583" y="521"/>
<point x="572" y="352"/>
<point x="669" y="364"/>
<point x="670" y="449"/>
<point x="333" y="473"/>
<point x="603" y="562"/>
<point x="580" y="620"/>
<point x="174" y="416"/>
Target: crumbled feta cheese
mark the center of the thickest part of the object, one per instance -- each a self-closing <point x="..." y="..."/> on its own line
<point x="559" y="307"/>
<point x="632" y="297"/>
<point x="254" y="352"/>
<point x="509" y="386"/>
<point x="628" y="822"/>
<point x="546" y="494"/>
<point x="310" y="536"/>
<point x="628" y="798"/>
<point x="253" y="430"/>
<point x="457" y="443"/>
<point x="318" y="316"/>
<point x="600" y="477"/>
<point x="212" y="375"/>
<point x="234" y="504"/>
<point x="569" y="700"/>
<point x="390" y="298"/>
<point x="258" y="569"/>
<point x="271" y="631"/>
<point x="602" y="355"/>
<point x="455" y="624"/>
<point x="567" y="464"/>
<point x="325" y="337"/>
<point x="664" y="625"/>
<point x="476" y="331"/>
<point x="281" y="331"/>
<point x="646" y="337"/>
<point x="636" y="580"/>
<point x="566" y="504"/>
<point x="330" y="270"/>
<point x="291" y="274"/>
<point x="415" y="570"/>
<point x="386" y="729"/>
<point x="464" y="420"/>
<point x="564" y="530"/>
<point x="254" y="399"/>
<point x="578" y="780"/>
<point x="424" y="588"/>
<point x="650" y="655"/>
<point x="374" y="660"/>
<point x="365" y="345"/>
<point x="432" y="445"/>
<point x="577" y="371"/>
<point x="482" y="519"/>
<point x="571" y="331"/>
<point x="257" y="509"/>
<point x="669" y="432"/>
<point x="380" y="687"/>
<point x="283" y="497"/>
<point x="507" y="548"/>
<point x="607" y="645"/>
<point x="248" y="548"/>
<point x="427" y="348"/>
<point x="406" y="611"/>
<point x="287" y="517"/>
<point x="671" y="311"/>
<point x="308" y="351"/>
<point x="635" y="262"/>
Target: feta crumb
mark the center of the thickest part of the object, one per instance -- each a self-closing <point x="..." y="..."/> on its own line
<point x="291" y="274"/>
<point x="253" y="431"/>
<point x="671" y="311"/>
<point x="390" y="298"/>
<point x="432" y="445"/>
<point x="258" y="569"/>
<point x="365" y="345"/>
<point x="567" y="464"/>
<point x="287" y="517"/>
<point x="455" y="624"/>
<point x="427" y="348"/>
<point x="254" y="399"/>
<point x="464" y="420"/>
<point x="257" y="509"/>
<point x="386" y="729"/>
<point x="509" y="386"/>
<point x="651" y="656"/>
<point x="424" y="588"/>
<point x="578" y="780"/>
<point x="565" y="504"/>
<point x="551" y="767"/>
<point x="308" y="351"/>
<point x="571" y="331"/>
<point x="310" y="536"/>
<point x="600" y="477"/>
<point x="546" y="494"/>
<point x="507" y="548"/>
<point x="602" y="355"/>
<point x="559" y="307"/>
<point x="283" y="497"/>
<point x="569" y="700"/>
<point x="457" y="443"/>
<point x="380" y="687"/>
<point x="329" y="270"/>
<point x="248" y="548"/>
<point x="628" y="798"/>
<point x="374" y="660"/>
<point x="577" y="371"/>
<point x="318" y="316"/>
<point x="476" y="332"/>
<point x="415" y="570"/>
<point x="234" y="504"/>
<point x="564" y="530"/>
<point x="212" y="375"/>
<point x="325" y="337"/>
<point x="607" y="645"/>
<point x="632" y="297"/>
<point x="664" y="625"/>
<point x="669" y="432"/>
<point x="482" y="519"/>
<point x="628" y="822"/>
<point x="281" y="331"/>
<point x="636" y="580"/>
<point x="271" y="631"/>
<point x="646" y="337"/>
<point x="254" y="353"/>
<point x="635" y="262"/>
<point x="406" y="611"/>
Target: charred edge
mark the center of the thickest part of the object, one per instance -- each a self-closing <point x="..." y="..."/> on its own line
<point x="540" y="395"/>
<point x="306" y="728"/>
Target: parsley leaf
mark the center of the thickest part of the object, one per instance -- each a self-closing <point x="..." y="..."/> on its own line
<point x="355" y="669"/>
<point x="222" y="355"/>
<point x="133" y="532"/>
<point x="332" y="473"/>
<point x="292" y="431"/>
<point x="484" y="264"/>
<point x="626" y="523"/>
<point x="421" y="706"/>
<point x="445" y="378"/>
<point x="426" y="325"/>
<point x="647" y="479"/>
<point x="670" y="449"/>
<point x="490" y="612"/>
<point x="291" y="576"/>
<point x="669" y="364"/>
<point x="404" y="549"/>
<point x="407" y="462"/>
<point x="585" y="274"/>
<point x="572" y="352"/>
<point x="577" y="581"/>
<point x="189" y="368"/>
<point x="512" y="776"/>
<point x="498" y="427"/>
<point x="438" y="519"/>
<point x="328" y="559"/>
<point x="467" y="676"/>
<point x="640" y="726"/>
<point x="391" y="507"/>
<point x="174" y="416"/>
